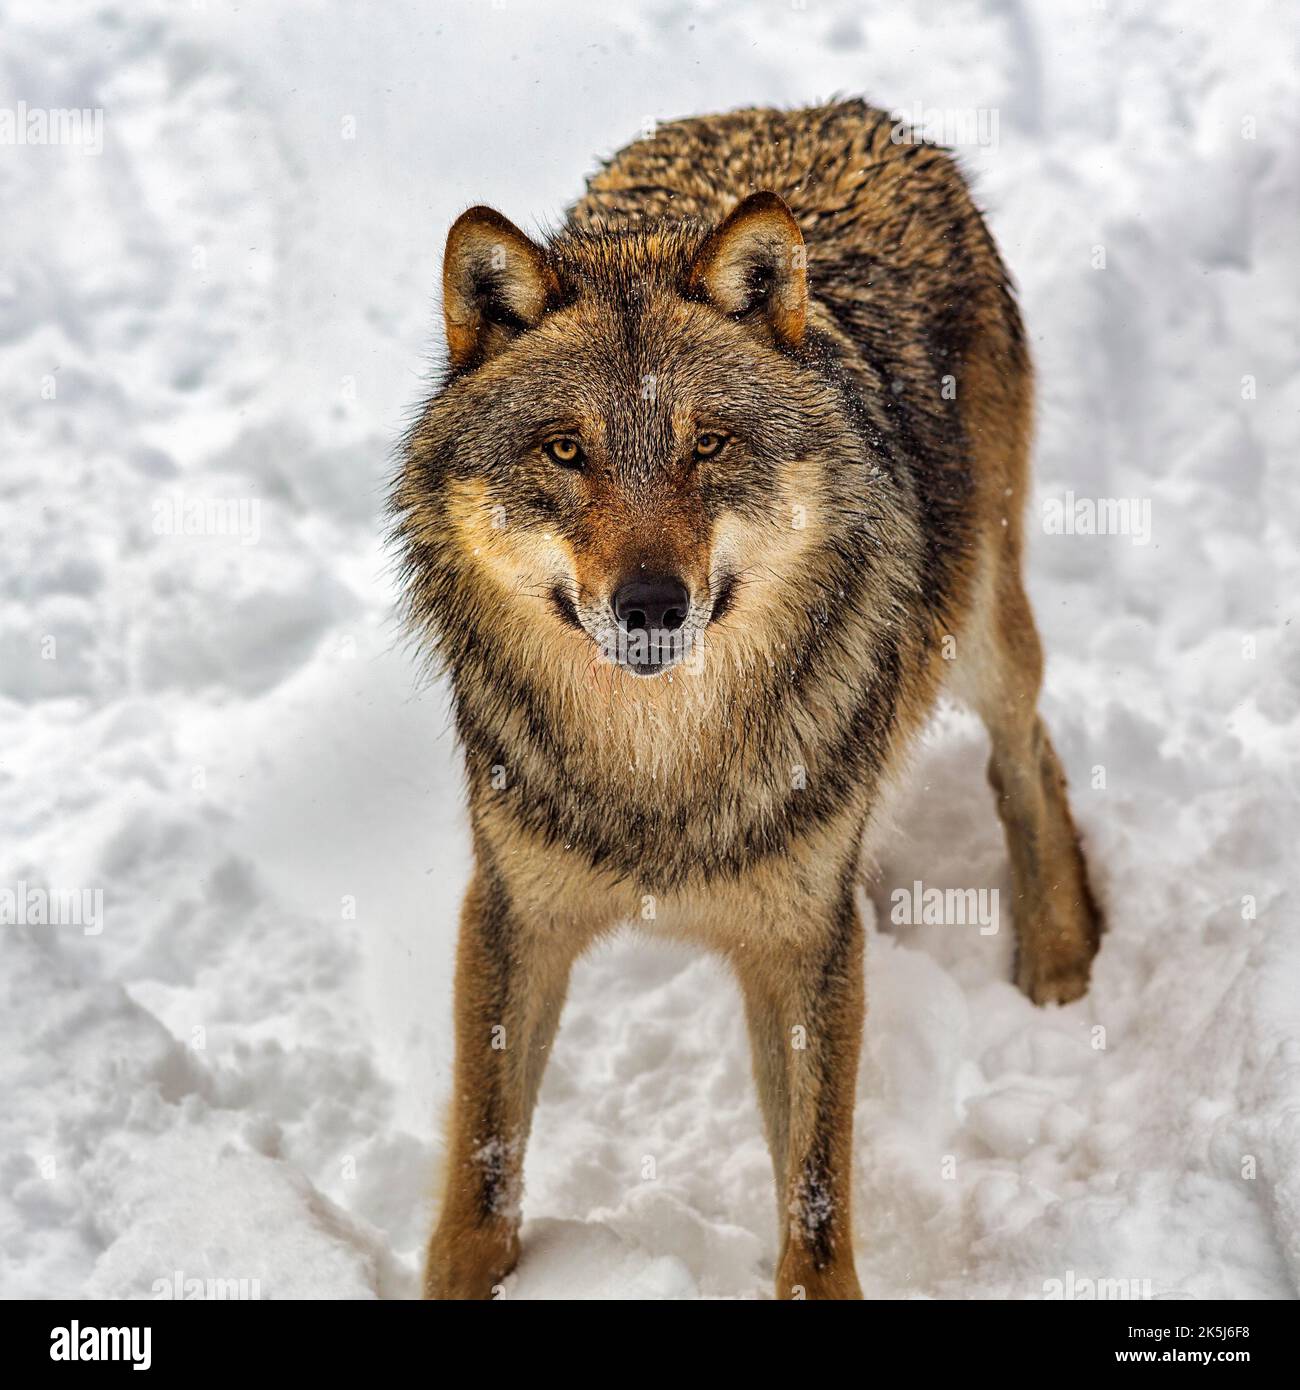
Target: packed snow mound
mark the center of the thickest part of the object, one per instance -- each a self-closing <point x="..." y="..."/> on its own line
<point x="232" y="1064"/>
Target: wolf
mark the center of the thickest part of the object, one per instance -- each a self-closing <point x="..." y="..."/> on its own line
<point x="721" y="487"/>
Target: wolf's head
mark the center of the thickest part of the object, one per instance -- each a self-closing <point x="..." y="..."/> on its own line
<point x="642" y="455"/>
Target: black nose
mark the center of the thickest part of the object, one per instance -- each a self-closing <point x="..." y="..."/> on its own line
<point x="657" y="604"/>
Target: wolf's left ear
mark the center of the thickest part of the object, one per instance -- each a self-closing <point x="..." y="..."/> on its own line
<point x="755" y="263"/>
<point x="495" y="284"/>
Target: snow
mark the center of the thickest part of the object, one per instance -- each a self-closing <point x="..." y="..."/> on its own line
<point x="243" y="1075"/>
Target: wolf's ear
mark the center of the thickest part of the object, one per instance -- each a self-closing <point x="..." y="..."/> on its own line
<point x="495" y="284"/>
<point x="755" y="263"/>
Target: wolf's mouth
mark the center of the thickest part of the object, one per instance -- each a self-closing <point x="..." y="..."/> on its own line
<point x="647" y="652"/>
<point x="644" y="651"/>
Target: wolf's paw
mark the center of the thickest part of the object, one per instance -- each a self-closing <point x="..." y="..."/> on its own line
<point x="469" y="1265"/>
<point x="1054" y="960"/>
<point x="798" y="1278"/>
<point x="1054" y="985"/>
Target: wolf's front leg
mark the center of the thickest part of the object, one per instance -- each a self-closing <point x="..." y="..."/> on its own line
<point x="511" y="978"/>
<point x="804" y="1004"/>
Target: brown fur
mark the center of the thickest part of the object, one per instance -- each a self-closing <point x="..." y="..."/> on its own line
<point x="831" y="302"/>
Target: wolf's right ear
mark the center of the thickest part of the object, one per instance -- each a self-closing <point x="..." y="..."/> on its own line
<point x="495" y="284"/>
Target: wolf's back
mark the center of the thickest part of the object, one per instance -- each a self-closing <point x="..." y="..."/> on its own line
<point x="867" y="194"/>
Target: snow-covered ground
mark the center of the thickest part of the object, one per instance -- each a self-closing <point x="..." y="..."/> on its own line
<point x="237" y="1070"/>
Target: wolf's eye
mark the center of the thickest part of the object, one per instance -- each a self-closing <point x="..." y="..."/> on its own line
<point x="708" y="443"/>
<point x="566" y="452"/>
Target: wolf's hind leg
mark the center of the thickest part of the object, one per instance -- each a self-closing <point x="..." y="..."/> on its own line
<point x="510" y="988"/>
<point x="1058" y="925"/>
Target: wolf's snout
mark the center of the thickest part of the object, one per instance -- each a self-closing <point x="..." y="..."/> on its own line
<point x="658" y="604"/>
